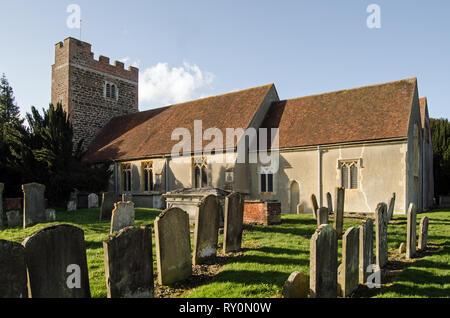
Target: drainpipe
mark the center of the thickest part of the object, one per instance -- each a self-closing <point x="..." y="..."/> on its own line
<point x="319" y="173"/>
<point x="166" y="175"/>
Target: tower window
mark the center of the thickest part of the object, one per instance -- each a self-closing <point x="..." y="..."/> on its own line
<point x="111" y="90"/>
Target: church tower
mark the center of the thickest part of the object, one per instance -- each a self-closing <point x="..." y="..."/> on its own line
<point x="91" y="92"/>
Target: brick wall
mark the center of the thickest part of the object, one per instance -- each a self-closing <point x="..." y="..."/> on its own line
<point x="78" y="82"/>
<point x="263" y="213"/>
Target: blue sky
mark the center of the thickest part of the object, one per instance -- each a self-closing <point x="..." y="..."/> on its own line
<point x="190" y="49"/>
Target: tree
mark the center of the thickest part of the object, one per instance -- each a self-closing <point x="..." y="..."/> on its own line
<point x="9" y="111"/>
<point x="440" y="130"/>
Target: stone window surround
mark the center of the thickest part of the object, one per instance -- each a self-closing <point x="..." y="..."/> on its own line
<point x="262" y="170"/>
<point x="200" y="162"/>
<point x="126" y="167"/>
<point x="349" y="163"/>
<point x="148" y="166"/>
<point x="116" y="91"/>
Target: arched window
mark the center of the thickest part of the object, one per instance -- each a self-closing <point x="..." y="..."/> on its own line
<point x="148" y="176"/>
<point x="113" y="91"/>
<point x="126" y="177"/>
<point x="108" y="90"/>
<point x="200" y="173"/>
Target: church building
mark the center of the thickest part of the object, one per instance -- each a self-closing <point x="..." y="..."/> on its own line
<point x="373" y="141"/>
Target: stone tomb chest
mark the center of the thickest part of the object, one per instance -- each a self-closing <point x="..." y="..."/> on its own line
<point x="188" y="200"/>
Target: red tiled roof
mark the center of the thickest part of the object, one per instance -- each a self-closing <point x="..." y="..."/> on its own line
<point x="423" y="110"/>
<point x="361" y="114"/>
<point x="148" y="133"/>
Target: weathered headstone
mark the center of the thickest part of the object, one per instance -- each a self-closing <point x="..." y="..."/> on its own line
<point x="390" y="212"/>
<point x="127" y="197"/>
<point x="365" y="249"/>
<point x="122" y="216"/>
<point x="381" y="249"/>
<point x="34" y="204"/>
<point x="173" y="246"/>
<point x="50" y="215"/>
<point x="14" y="218"/>
<point x="206" y="233"/>
<point x="411" y="235"/>
<point x="2" y="186"/>
<point x="323" y="263"/>
<point x="339" y="212"/>
<point x="92" y="201"/>
<point x="296" y="286"/>
<point x="129" y="263"/>
<point x="56" y="262"/>
<point x="13" y="270"/>
<point x="402" y="248"/>
<point x="71" y="206"/>
<point x="233" y="225"/>
<point x="108" y="200"/>
<point x="330" y="202"/>
<point x="322" y="216"/>
<point x="423" y="234"/>
<point x="348" y="277"/>
<point x="314" y="205"/>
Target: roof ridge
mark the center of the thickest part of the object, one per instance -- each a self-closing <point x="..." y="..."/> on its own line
<point x="351" y="89"/>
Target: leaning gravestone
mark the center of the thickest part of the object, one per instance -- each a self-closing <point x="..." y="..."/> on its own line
<point x="13" y="273"/>
<point x="349" y="275"/>
<point x="206" y="233"/>
<point x="92" y="201"/>
<point x="322" y="216"/>
<point x="122" y="216"/>
<point x="323" y="263"/>
<point x="233" y="223"/>
<point x="296" y="286"/>
<point x="314" y="204"/>
<point x="33" y="204"/>
<point x="129" y="263"/>
<point x="330" y="202"/>
<point x="411" y="235"/>
<point x="14" y="218"/>
<point x="423" y="234"/>
<point x="2" y="186"/>
<point x="108" y="200"/>
<point x="56" y="261"/>
<point x="173" y="246"/>
<point x="339" y="213"/>
<point x="381" y="249"/>
<point x="390" y="212"/>
<point x="365" y="249"/>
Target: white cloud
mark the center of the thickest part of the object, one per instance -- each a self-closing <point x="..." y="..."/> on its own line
<point x="161" y="85"/>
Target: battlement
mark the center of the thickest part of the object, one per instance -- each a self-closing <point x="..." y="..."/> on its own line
<point x="76" y="52"/>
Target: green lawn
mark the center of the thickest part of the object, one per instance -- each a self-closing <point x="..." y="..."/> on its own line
<point x="271" y="254"/>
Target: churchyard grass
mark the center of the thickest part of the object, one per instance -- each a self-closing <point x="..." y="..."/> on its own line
<point x="271" y="254"/>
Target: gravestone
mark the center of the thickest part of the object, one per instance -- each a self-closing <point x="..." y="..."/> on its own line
<point x="296" y="286"/>
<point x="339" y="213"/>
<point x="129" y="263"/>
<point x="390" y="212"/>
<point x="13" y="270"/>
<point x="71" y="206"/>
<point x="127" y="197"/>
<point x="206" y="233"/>
<point x="50" y="215"/>
<point x="314" y="205"/>
<point x="233" y="223"/>
<point x="323" y="263"/>
<point x="365" y="249"/>
<point x="423" y="234"/>
<point x="329" y="202"/>
<point x="348" y="277"/>
<point x="402" y="248"/>
<point x="92" y="201"/>
<point x="322" y="216"/>
<point x="2" y="186"/>
<point x="411" y="235"/>
<point x="108" y="200"/>
<point x="381" y="248"/>
<point x="173" y="246"/>
<point x="56" y="262"/>
<point x="14" y="218"/>
<point x="33" y="204"/>
<point x="122" y="216"/>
